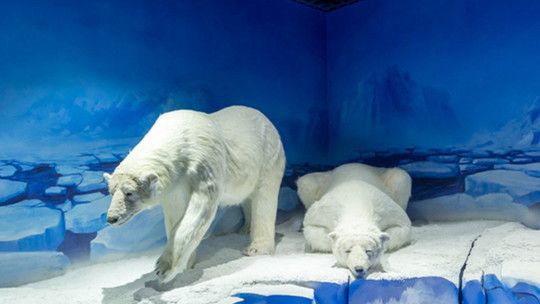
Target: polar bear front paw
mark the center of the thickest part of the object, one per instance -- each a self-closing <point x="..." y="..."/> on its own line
<point x="164" y="266"/>
<point x="259" y="249"/>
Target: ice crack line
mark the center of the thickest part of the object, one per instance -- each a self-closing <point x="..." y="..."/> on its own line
<point x="462" y="270"/>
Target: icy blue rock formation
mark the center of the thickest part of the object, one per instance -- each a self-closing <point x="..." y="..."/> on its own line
<point x="523" y="188"/>
<point x="89" y="217"/>
<point x="429" y="169"/>
<point x="91" y="181"/>
<point x="37" y="228"/>
<point x="288" y="199"/>
<point x="143" y="232"/>
<point x="11" y="190"/>
<point x="85" y="198"/>
<point x="473" y="293"/>
<point x="7" y="171"/>
<point x="24" y="267"/>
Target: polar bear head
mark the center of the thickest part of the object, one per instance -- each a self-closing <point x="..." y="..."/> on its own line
<point x="358" y="251"/>
<point x="130" y="194"/>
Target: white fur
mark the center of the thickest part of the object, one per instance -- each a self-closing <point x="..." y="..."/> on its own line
<point x="395" y="182"/>
<point x="352" y="212"/>
<point x="202" y="161"/>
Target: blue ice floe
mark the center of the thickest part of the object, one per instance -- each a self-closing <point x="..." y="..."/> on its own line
<point x="7" y="171"/>
<point x="56" y="191"/>
<point x="490" y="161"/>
<point x="287" y="199"/>
<point x="85" y="198"/>
<point x="27" y="267"/>
<point x="11" y="191"/>
<point x="450" y="158"/>
<point x="532" y="169"/>
<point x="92" y="181"/>
<point x="472" y="168"/>
<point x="68" y="170"/>
<point x="521" y="187"/>
<point x="430" y="169"/>
<point x="37" y="228"/>
<point x="71" y="180"/>
<point x="423" y="290"/>
<point x="106" y="157"/>
<point x="89" y="217"/>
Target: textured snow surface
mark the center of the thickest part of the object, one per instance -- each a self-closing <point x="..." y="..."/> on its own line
<point x="437" y="249"/>
<point x="24" y="267"/>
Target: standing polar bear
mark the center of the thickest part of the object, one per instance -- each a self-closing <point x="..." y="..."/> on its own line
<point x="357" y="212"/>
<point x="192" y="162"/>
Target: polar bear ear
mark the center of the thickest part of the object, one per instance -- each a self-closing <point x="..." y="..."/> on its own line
<point x="107" y="177"/>
<point x="332" y="236"/>
<point x="150" y="180"/>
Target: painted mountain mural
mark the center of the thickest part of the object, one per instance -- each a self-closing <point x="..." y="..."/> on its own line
<point x="394" y="108"/>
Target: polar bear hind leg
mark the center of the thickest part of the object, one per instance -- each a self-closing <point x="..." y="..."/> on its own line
<point x="264" y="202"/>
<point x="399" y="236"/>
<point x="398" y="186"/>
<point x="317" y="239"/>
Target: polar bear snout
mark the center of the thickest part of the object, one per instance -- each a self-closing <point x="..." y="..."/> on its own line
<point x="359" y="271"/>
<point x="112" y="219"/>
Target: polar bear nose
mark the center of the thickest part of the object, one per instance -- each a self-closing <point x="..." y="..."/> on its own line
<point x="112" y="219"/>
<point x="359" y="271"/>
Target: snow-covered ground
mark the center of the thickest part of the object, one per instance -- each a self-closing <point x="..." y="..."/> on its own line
<point x="508" y="250"/>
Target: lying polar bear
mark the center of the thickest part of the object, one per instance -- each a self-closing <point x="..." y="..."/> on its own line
<point x="357" y="212"/>
<point x="193" y="162"/>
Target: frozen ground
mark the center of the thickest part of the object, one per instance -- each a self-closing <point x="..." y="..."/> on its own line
<point x="508" y="250"/>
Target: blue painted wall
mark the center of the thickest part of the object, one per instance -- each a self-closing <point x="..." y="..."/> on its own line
<point x="104" y="70"/>
<point x="406" y="73"/>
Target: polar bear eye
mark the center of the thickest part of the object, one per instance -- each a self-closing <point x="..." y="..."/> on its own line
<point x="129" y="194"/>
<point x="347" y="251"/>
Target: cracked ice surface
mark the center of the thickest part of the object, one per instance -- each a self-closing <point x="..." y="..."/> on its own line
<point x="504" y="250"/>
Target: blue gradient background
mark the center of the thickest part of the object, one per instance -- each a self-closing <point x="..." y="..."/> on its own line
<point x="482" y="54"/>
<point x="88" y="71"/>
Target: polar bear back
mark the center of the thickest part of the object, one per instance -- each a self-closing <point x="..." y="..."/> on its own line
<point x="353" y="203"/>
<point x="394" y="182"/>
<point x="235" y="145"/>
